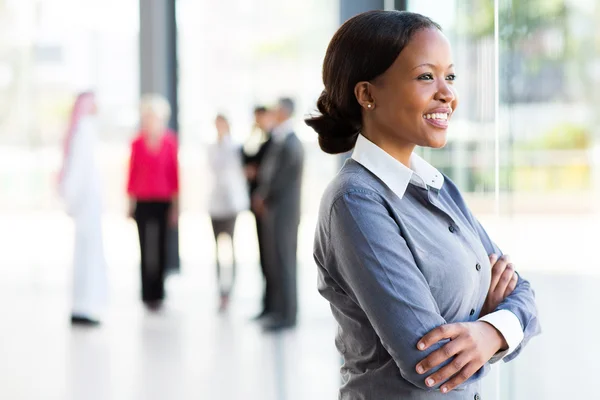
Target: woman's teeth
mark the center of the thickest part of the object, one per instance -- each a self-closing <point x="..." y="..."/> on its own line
<point x="442" y="116"/>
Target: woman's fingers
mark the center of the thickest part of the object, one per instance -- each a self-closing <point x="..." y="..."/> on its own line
<point x="438" y="357"/>
<point x="445" y="373"/>
<point x="465" y="373"/>
<point x="497" y="270"/>
<point x="512" y="285"/>
<point x="447" y="331"/>
<point x="504" y="281"/>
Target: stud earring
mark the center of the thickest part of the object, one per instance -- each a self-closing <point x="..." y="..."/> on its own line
<point x="369" y="105"/>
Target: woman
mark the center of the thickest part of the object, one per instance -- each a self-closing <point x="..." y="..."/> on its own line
<point x="422" y="310"/>
<point x="81" y="190"/>
<point x="153" y="188"/>
<point x="228" y="198"/>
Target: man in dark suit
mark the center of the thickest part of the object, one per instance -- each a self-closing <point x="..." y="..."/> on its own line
<point x="253" y="154"/>
<point x="277" y="201"/>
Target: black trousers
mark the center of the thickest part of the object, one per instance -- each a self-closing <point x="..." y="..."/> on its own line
<point x="262" y="243"/>
<point x="151" y="218"/>
<point x="224" y="226"/>
<point x="281" y="235"/>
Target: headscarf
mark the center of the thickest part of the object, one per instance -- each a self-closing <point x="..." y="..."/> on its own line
<point x="83" y="106"/>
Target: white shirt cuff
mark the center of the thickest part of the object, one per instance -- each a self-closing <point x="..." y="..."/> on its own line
<point x="509" y="326"/>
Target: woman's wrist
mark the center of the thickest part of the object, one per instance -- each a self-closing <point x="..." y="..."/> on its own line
<point x="495" y="336"/>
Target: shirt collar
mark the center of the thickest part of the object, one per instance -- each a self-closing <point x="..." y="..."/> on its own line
<point x="283" y="130"/>
<point x="392" y="172"/>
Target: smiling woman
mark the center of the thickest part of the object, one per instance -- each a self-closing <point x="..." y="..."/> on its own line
<point x="424" y="298"/>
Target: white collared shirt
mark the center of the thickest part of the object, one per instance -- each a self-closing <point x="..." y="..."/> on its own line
<point x="283" y="130"/>
<point x="397" y="177"/>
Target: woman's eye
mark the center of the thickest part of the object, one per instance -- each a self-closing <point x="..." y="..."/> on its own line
<point x="451" y="77"/>
<point x="426" y="77"/>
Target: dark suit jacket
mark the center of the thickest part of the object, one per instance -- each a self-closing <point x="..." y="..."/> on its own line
<point x="256" y="159"/>
<point x="280" y="177"/>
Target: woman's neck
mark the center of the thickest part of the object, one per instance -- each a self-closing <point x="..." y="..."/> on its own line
<point x="400" y="149"/>
<point x="153" y="139"/>
<point x="223" y="138"/>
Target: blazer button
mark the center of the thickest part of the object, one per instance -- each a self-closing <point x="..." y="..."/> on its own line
<point x="472" y="312"/>
<point x="452" y="229"/>
<point x="478" y="267"/>
<point x="477" y="397"/>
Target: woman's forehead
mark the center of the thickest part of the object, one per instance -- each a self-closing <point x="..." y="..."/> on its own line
<point x="428" y="48"/>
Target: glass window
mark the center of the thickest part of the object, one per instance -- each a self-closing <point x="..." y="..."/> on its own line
<point x="49" y="51"/>
<point x="237" y="54"/>
<point x="528" y="165"/>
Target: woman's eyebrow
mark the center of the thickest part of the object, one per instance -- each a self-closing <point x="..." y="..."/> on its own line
<point x="432" y="66"/>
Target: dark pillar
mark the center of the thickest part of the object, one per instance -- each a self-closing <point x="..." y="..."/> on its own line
<point x="350" y="8"/>
<point x="158" y="74"/>
<point x="401" y="5"/>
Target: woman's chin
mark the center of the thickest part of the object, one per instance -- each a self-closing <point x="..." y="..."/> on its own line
<point x="437" y="142"/>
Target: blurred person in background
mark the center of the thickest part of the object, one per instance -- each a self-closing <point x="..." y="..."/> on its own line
<point x="153" y="189"/>
<point x="229" y="196"/>
<point x="81" y="189"/>
<point x="253" y="154"/>
<point x="277" y="203"/>
<point x="424" y="299"/>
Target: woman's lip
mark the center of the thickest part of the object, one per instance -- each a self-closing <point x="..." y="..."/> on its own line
<point x="441" y="110"/>
<point x="438" y="123"/>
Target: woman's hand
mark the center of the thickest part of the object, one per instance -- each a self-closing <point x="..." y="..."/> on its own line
<point x="251" y="171"/>
<point x="131" y="204"/>
<point x="174" y="216"/>
<point x="504" y="281"/>
<point x="472" y="345"/>
<point x="258" y="205"/>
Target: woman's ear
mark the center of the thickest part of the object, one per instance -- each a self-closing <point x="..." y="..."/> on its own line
<point x="362" y="91"/>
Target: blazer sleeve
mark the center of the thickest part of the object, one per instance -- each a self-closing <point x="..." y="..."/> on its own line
<point x="369" y="259"/>
<point x="521" y="302"/>
<point x="287" y="167"/>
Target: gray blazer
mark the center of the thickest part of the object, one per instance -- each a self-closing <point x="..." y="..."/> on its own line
<point x="280" y="177"/>
<point x="395" y="268"/>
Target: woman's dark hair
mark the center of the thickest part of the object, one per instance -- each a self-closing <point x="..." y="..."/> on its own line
<point x="363" y="48"/>
<point x="260" y="109"/>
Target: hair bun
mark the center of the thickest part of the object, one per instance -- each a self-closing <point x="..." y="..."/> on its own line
<point x="337" y="134"/>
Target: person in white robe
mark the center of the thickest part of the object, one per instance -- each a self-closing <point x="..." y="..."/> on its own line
<point x="81" y="189"/>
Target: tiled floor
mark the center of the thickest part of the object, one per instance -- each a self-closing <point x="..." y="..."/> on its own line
<point x="187" y="351"/>
<point x="190" y="352"/>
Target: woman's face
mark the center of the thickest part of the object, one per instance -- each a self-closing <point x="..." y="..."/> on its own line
<point x="415" y="98"/>
<point x="152" y="123"/>
<point x="222" y="127"/>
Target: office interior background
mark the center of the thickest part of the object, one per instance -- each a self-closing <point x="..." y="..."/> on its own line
<point x="524" y="146"/>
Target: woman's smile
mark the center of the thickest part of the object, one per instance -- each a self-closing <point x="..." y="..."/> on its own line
<point x="439" y="117"/>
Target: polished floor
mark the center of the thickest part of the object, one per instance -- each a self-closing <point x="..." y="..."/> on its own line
<point x="189" y="351"/>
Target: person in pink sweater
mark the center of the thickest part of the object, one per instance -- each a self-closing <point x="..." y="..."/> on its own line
<point x="153" y="188"/>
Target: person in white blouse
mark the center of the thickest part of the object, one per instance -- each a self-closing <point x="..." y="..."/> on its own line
<point x="229" y="196"/>
<point x="81" y="189"/>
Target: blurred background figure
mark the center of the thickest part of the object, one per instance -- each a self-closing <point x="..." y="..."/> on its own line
<point x="525" y="152"/>
<point x="229" y="196"/>
<point x="81" y="190"/>
<point x="253" y="153"/>
<point x="153" y="188"/>
<point x="277" y="203"/>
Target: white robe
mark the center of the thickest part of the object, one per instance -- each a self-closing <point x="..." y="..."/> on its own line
<point x="81" y="190"/>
